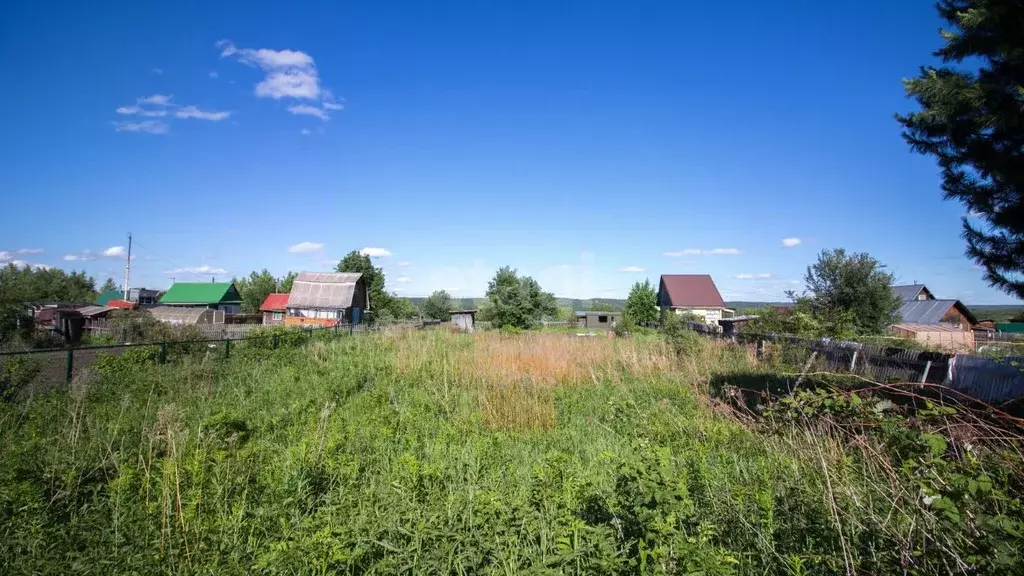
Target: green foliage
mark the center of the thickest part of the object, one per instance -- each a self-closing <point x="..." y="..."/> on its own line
<point x="438" y="306"/>
<point x="21" y="286"/>
<point x="284" y="285"/>
<point x="380" y="299"/>
<point x="276" y="337"/>
<point x="108" y="286"/>
<point x="642" y="304"/>
<point x="972" y="121"/>
<point x="255" y="288"/>
<point x="403" y="309"/>
<point x="849" y="294"/>
<point x="518" y="301"/>
<point x="16" y="372"/>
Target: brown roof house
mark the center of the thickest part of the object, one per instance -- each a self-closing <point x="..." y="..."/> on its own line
<point x="693" y="293"/>
<point x="326" y="299"/>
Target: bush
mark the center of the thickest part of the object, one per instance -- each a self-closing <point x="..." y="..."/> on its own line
<point x="16" y="372"/>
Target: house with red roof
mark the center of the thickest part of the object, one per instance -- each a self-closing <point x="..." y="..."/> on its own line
<point x="692" y="293"/>
<point x="273" y="309"/>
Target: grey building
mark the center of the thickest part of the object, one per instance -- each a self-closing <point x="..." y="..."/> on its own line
<point x="464" y="320"/>
<point x="602" y="320"/>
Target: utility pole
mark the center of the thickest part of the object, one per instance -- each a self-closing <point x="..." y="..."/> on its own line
<point x="128" y="267"/>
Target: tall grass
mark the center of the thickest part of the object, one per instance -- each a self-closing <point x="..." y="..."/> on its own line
<point x="442" y="453"/>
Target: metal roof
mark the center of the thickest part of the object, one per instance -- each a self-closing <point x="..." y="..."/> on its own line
<point x="912" y="327"/>
<point x="105" y="297"/>
<point x="689" y="290"/>
<point x="201" y="293"/>
<point x="179" y="315"/>
<point x="931" y="311"/>
<point x="907" y="292"/>
<point x="94" y="310"/>
<point x="274" y="303"/>
<point x="325" y="290"/>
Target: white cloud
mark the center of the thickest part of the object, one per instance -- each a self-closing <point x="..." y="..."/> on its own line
<point x="403" y="279"/>
<point x="697" y="251"/>
<point x="287" y="74"/>
<point x="29" y="251"/>
<point x="631" y="269"/>
<point x="213" y="74"/>
<point x="375" y="252"/>
<point x="791" y="242"/>
<point x="5" y="255"/>
<point x="307" y="110"/>
<point x="115" y="252"/>
<point x="195" y="112"/>
<point x="405" y="263"/>
<point x="156" y="100"/>
<point x="305" y="247"/>
<point x="305" y="132"/>
<point x="752" y="276"/>
<point x="140" y="111"/>
<point x="204" y="269"/>
<point x="144" y="127"/>
<point x="686" y="252"/>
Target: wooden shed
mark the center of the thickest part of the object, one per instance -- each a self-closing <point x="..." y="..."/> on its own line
<point x="942" y="337"/>
<point x="464" y="320"/>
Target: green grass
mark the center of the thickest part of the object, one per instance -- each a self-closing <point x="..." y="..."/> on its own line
<point x="438" y="453"/>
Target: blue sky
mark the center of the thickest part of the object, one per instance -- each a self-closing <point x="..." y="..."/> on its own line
<point x="589" y="144"/>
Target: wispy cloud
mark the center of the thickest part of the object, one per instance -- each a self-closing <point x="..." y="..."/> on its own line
<point x="763" y="276"/>
<point x="405" y="263"/>
<point x="115" y="252"/>
<point x="375" y="252"/>
<point x="204" y="269"/>
<point x="80" y="256"/>
<point x="287" y="74"/>
<point x="195" y="112"/>
<point x="156" y="100"/>
<point x="213" y="74"/>
<point x="303" y="247"/>
<point x="706" y="252"/>
<point x="791" y="242"/>
<point x="143" y="127"/>
<point x="307" y="110"/>
<point x="29" y="251"/>
<point x="305" y="131"/>
<point x="6" y="256"/>
<point x="157" y="71"/>
<point x="632" y="269"/>
<point x="403" y="279"/>
<point x="140" y="111"/>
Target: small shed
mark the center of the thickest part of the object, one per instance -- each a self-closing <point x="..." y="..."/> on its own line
<point x="92" y="314"/>
<point x="274" y="308"/>
<point x="464" y="320"/>
<point x="947" y="338"/>
<point x="602" y="320"/>
<point x="183" y="316"/>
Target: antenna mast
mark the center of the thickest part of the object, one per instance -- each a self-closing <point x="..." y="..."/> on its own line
<point x="128" y="267"/>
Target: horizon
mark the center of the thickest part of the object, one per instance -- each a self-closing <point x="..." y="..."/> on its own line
<point x="588" y="145"/>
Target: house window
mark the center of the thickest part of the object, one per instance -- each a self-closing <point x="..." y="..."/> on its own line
<point x="278" y="316"/>
<point x="602" y="319"/>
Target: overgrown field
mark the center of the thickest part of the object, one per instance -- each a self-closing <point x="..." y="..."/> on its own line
<point x="535" y="453"/>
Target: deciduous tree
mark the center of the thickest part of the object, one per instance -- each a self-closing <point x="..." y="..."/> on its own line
<point x="518" y="301"/>
<point x="108" y="285"/>
<point x="438" y="306"/>
<point x="849" y="292"/>
<point x="254" y="289"/>
<point x="642" y="304"/>
<point x="380" y="300"/>
<point x="972" y="121"/>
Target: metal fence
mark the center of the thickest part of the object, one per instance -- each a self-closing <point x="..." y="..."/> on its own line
<point x="987" y="378"/>
<point x="60" y="365"/>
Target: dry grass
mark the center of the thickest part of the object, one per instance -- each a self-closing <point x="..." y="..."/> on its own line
<point x="515" y="378"/>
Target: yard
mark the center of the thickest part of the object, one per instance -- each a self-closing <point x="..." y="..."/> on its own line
<point x="431" y="452"/>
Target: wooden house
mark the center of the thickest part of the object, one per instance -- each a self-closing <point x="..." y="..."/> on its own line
<point x="221" y="296"/>
<point x="692" y="293"/>
<point x="326" y="299"/>
<point x="274" y="309"/>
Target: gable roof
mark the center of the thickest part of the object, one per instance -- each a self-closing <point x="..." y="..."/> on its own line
<point x="908" y="292"/>
<point x="328" y="290"/>
<point x="932" y="311"/>
<point x="122" y="304"/>
<point x="202" y="293"/>
<point x="689" y="290"/>
<point x="104" y="298"/>
<point x="274" y="303"/>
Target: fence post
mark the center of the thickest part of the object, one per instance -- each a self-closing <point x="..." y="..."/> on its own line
<point x="853" y="361"/>
<point x="273" y="342"/>
<point x="924" y="375"/>
<point x="227" y="349"/>
<point x="351" y="329"/>
<point x="162" y="358"/>
<point x="70" y="365"/>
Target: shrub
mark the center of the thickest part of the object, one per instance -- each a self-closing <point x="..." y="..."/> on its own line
<point x="16" y="372"/>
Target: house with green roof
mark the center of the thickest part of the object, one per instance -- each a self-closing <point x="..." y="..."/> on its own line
<point x="221" y="296"/>
<point x="104" y="298"/>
